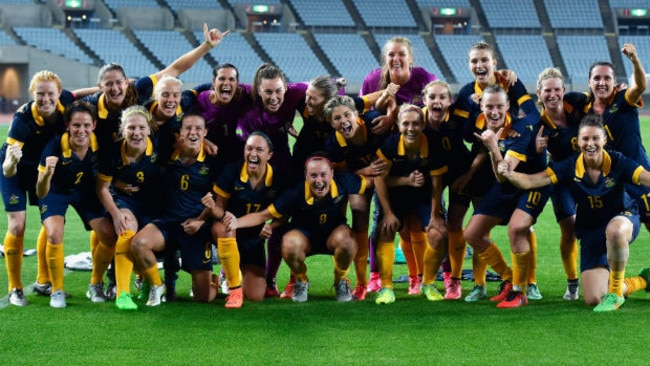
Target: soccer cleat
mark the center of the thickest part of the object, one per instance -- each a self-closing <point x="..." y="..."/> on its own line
<point x="57" y="299"/>
<point x="610" y="302"/>
<point x="43" y="289"/>
<point x="144" y="289"/>
<point x="374" y="284"/>
<point x="125" y="302"/>
<point x="235" y="298"/>
<point x="359" y="293"/>
<point x="415" y="285"/>
<point x="96" y="292"/>
<point x="515" y="299"/>
<point x="478" y="293"/>
<point x="447" y="279"/>
<point x="454" y="290"/>
<point x="385" y="296"/>
<point x="287" y="293"/>
<point x="645" y="273"/>
<point x="17" y="297"/>
<point x="223" y="284"/>
<point x="532" y="292"/>
<point x="111" y="291"/>
<point x="343" y="290"/>
<point x="271" y="292"/>
<point x="155" y="295"/>
<point x="571" y="290"/>
<point x="432" y="293"/>
<point x="504" y="289"/>
<point x="300" y="291"/>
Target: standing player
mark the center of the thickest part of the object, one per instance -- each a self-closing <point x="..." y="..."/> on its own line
<point x="606" y="218"/>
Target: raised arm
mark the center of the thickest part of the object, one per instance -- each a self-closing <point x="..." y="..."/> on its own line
<point x="640" y="83"/>
<point x="45" y="176"/>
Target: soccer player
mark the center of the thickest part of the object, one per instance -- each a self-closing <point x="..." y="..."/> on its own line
<point x="127" y="186"/>
<point x="244" y="187"/>
<point x="318" y="223"/>
<point x="607" y="221"/>
<point x="183" y="224"/>
<point x="559" y="136"/>
<point x="505" y="203"/>
<point x="66" y="176"/>
<point x="353" y="148"/>
<point x="410" y="193"/>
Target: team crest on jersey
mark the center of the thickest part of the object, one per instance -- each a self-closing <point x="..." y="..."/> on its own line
<point x="613" y="108"/>
<point x="609" y="182"/>
<point x="502" y="146"/>
<point x="43" y="209"/>
<point x="13" y="200"/>
<point x="204" y="170"/>
<point x="154" y="157"/>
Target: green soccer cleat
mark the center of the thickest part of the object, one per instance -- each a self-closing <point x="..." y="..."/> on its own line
<point x="385" y="296"/>
<point x="125" y="302"/>
<point x="610" y="302"/>
<point x="532" y="292"/>
<point x="478" y="293"/>
<point x="431" y="293"/>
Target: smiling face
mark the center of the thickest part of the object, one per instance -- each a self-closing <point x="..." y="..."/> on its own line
<point x="398" y="59"/>
<point x="318" y="175"/>
<point x="410" y="127"/>
<point x="344" y="120"/>
<point x="592" y="140"/>
<point x="602" y="81"/>
<point x="551" y="93"/>
<point x="136" y="130"/>
<point x="256" y="154"/>
<point x="314" y="99"/>
<point x="272" y="93"/>
<point x="80" y="127"/>
<point x="482" y="65"/>
<point x="114" y="85"/>
<point x="437" y="99"/>
<point x="495" y="108"/>
<point x="225" y="84"/>
<point x="168" y="96"/>
<point x="46" y="96"/>
<point x="192" y="133"/>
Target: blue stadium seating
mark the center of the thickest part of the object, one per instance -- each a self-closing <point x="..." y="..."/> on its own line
<point x="113" y="46"/>
<point x="178" y="5"/>
<point x="385" y="13"/>
<point x="5" y="40"/>
<point x="261" y="2"/>
<point x="234" y="49"/>
<point x="291" y="53"/>
<point x="443" y="3"/>
<point x="114" y="4"/>
<point x="579" y="52"/>
<point x="454" y="50"/>
<point x="28" y="2"/>
<point x="53" y="40"/>
<point x="629" y="4"/>
<point x="574" y="14"/>
<point x="167" y="46"/>
<point x="642" y="44"/>
<point x="511" y="14"/>
<point x="421" y="53"/>
<point x="517" y="51"/>
<point x="349" y="54"/>
<point x="323" y="13"/>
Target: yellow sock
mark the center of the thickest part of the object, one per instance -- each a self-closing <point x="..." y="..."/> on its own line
<point x="569" y="254"/>
<point x="616" y="282"/>
<point x="493" y="257"/>
<point x="14" y="246"/>
<point x="229" y="257"/>
<point x="340" y="273"/>
<point x="153" y="275"/>
<point x="532" y="265"/>
<point x="409" y="256"/>
<point x="432" y="260"/>
<point x="361" y="258"/>
<point x="302" y="277"/>
<point x="42" y="274"/>
<point x="635" y="284"/>
<point x="479" y="267"/>
<point x="55" y="264"/>
<point x="419" y="245"/>
<point x="520" y="263"/>
<point x="386" y="259"/>
<point x="457" y="248"/>
<point x="123" y="262"/>
<point x="94" y="241"/>
<point x="102" y="257"/>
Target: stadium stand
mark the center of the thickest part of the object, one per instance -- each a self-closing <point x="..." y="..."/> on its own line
<point x="178" y="5"/>
<point x="443" y="3"/>
<point x="16" y="2"/>
<point x="291" y="53"/>
<point x="113" y="46"/>
<point x="562" y="14"/>
<point x="261" y="2"/>
<point x="642" y="44"/>
<point x="526" y="15"/>
<point x="53" y="40"/>
<point x="422" y="54"/>
<point x="629" y="4"/>
<point x="454" y="50"/>
<point x="349" y="54"/>
<point x="323" y="13"/>
<point x="374" y="13"/>
<point x="516" y="52"/>
<point x="6" y="40"/>
<point x="579" y="52"/>
<point x="115" y="4"/>
<point x="235" y="50"/>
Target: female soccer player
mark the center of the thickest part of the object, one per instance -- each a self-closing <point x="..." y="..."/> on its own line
<point x="318" y="223"/>
<point x="66" y="176"/>
<point x="606" y="219"/>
